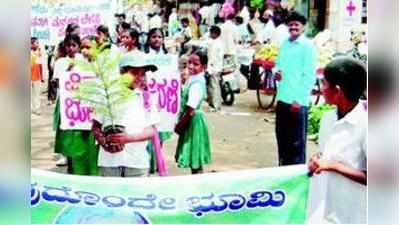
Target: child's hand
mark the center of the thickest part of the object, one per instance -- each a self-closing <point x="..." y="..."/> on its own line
<point x="121" y="138"/>
<point x="178" y="129"/>
<point x="317" y="165"/>
<point x="114" y="148"/>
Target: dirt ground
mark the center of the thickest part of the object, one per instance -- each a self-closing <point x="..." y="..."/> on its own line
<point x="242" y="137"/>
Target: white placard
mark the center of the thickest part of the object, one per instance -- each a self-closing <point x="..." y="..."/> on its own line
<point x="74" y="114"/>
<point x="165" y="85"/>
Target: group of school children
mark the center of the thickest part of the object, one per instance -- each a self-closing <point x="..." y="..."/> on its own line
<point x="88" y="152"/>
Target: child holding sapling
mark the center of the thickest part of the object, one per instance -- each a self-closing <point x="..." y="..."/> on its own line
<point x="123" y="153"/>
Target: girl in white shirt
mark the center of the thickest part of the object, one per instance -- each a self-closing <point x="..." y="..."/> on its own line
<point x="155" y="42"/>
<point x="193" y="149"/>
<point x="130" y="41"/>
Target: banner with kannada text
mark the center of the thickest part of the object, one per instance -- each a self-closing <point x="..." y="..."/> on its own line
<point x="75" y="115"/>
<point x="165" y="84"/>
<point x="272" y="195"/>
<point x="49" y="20"/>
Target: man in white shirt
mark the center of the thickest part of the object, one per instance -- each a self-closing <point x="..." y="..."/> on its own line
<point x="215" y="68"/>
<point x="230" y="39"/>
<point x="125" y="154"/>
<point x="269" y="27"/>
<point x="155" y="21"/>
<point x="343" y="145"/>
<point x="281" y="32"/>
<point x="186" y="32"/>
<point x="229" y="36"/>
<point x="173" y="23"/>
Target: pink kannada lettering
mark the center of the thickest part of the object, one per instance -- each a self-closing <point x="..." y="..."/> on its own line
<point x="172" y="96"/>
<point x="77" y="113"/>
<point x="167" y="94"/>
<point x="73" y="82"/>
<point x="63" y="21"/>
<point x="93" y="18"/>
<point x="39" y="22"/>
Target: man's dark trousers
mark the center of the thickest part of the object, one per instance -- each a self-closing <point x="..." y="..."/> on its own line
<point x="291" y="130"/>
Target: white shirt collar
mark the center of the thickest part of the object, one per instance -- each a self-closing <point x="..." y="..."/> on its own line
<point x="195" y="77"/>
<point x="354" y="116"/>
<point x="152" y="51"/>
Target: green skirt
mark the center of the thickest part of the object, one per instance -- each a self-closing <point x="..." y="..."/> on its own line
<point x="193" y="147"/>
<point x="78" y="145"/>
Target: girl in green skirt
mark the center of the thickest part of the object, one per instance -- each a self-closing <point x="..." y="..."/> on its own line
<point x="77" y="145"/>
<point x="193" y="148"/>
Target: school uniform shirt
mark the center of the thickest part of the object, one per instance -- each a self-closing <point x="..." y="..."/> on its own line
<point x="61" y="65"/>
<point x="229" y="37"/>
<point x="280" y="34"/>
<point x="340" y="199"/>
<point x="215" y="56"/>
<point x="135" y="118"/>
<point x="297" y="62"/>
<point x="196" y="92"/>
<point x="152" y="51"/>
<point x="124" y="50"/>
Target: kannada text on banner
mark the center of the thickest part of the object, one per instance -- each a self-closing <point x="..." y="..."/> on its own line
<point x="74" y="114"/>
<point x="165" y="85"/>
<point x="48" y="22"/>
<point x="272" y="195"/>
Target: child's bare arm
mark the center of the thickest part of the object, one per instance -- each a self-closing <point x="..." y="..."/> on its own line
<point x="98" y="134"/>
<point x="124" y="138"/>
<point x="317" y="165"/>
<point x="184" y="121"/>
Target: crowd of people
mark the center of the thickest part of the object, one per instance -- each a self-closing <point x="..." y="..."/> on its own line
<point x="88" y="152"/>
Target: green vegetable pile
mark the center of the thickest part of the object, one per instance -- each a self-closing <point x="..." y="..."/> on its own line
<point x="315" y="115"/>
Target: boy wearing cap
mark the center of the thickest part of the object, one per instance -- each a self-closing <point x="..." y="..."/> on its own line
<point x="295" y="70"/>
<point x="130" y="158"/>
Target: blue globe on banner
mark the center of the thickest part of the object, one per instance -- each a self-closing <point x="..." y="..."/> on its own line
<point x="99" y="215"/>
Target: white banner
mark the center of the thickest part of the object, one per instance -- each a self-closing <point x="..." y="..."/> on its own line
<point x="165" y="84"/>
<point x="74" y="114"/>
<point x="49" y="20"/>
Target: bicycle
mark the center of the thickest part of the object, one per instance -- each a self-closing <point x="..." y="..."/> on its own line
<point x="266" y="90"/>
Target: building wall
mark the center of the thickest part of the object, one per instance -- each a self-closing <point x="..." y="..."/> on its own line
<point x="341" y="21"/>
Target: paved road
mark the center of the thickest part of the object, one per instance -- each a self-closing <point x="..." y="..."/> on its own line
<point x="240" y="137"/>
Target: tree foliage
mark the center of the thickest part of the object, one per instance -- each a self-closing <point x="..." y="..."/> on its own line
<point x="109" y="90"/>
